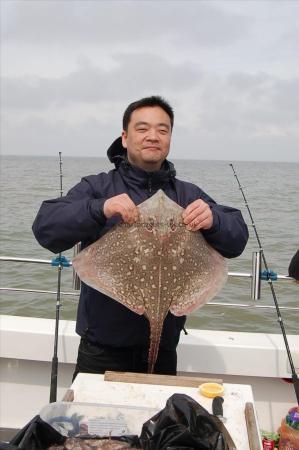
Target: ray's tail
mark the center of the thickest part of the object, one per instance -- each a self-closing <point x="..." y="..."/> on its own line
<point x="154" y="349"/>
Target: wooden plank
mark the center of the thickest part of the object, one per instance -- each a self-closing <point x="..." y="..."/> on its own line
<point x="68" y="396"/>
<point x="165" y="380"/>
<point x="252" y="430"/>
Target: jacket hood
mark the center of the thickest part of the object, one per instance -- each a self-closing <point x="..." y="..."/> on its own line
<point x="116" y="152"/>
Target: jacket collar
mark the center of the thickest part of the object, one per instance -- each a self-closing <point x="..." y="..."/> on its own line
<point x="117" y="154"/>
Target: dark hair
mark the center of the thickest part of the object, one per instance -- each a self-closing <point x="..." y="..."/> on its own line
<point x="154" y="100"/>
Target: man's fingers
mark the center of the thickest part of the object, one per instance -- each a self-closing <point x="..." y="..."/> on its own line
<point x="122" y="205"/>
<point x="196" y="212"/>
<point x="196" y="224"/>
<point x="129" y="213"/>
<point x="198" y="215"/>
<point x="190" y="208"/>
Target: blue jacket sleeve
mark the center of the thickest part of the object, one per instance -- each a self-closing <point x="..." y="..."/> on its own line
<point x="62" y="222"/>
<point x="229" y="232"/>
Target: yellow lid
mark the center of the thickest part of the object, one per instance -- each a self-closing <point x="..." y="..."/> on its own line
<point x="211" y="389"/>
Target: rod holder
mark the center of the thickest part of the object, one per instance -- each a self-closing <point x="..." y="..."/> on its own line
<point x="256" y="279"/>
<point x="76" y="279"/>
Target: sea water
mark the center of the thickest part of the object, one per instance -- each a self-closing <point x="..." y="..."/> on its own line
<point x="272" y="191"/>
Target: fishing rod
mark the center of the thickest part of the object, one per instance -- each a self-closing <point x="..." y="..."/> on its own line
<point x="54" y="369"/>
<point x="269" y="279"/>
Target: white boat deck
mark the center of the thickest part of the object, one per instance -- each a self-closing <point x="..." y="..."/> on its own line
<point x="26" y="350"/>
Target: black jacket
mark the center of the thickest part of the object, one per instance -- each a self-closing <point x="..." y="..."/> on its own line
<point x="64" y="221"/>
<point x="294" y="266"/>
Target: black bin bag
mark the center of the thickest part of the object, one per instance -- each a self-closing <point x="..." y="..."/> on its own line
<point x="182" y="425"/>
<point x="36" y="435"/>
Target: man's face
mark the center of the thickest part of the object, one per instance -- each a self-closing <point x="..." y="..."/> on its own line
<point x="147" y="139"/>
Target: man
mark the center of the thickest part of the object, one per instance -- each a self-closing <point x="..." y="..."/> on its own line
<point x="112" y="336"/>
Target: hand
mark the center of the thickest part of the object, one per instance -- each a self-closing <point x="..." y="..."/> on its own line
<point x="198" y="216"/>
<point x="122" y="205"/>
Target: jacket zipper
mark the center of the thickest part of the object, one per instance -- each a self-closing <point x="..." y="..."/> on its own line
<point x="149" y="185"/>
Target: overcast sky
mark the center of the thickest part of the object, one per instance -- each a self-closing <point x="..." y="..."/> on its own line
<point x="230" y="69"/>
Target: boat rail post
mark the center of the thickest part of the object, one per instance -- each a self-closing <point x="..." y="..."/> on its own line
<point x="256" y="275"/>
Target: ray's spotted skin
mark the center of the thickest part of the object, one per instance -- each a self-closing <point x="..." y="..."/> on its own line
<point x="91" y="444"/>
<point x="153" y="266"/>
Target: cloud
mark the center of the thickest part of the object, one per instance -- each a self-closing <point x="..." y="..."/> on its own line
<point x="122" y="21"/>
<point x="134" y="76"/>
<point x="229" y="69"/>
<point x="241" y="116"/>
<point x="250" y="105"/>
<point x="36" y="135"/>
<point x="194" y="144"/>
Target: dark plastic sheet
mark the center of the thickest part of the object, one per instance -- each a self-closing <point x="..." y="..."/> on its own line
<point x="36" y="435"/>
<point x="182" y="424"/>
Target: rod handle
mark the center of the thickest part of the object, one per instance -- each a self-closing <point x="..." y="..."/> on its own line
<point x="53" y="385"/>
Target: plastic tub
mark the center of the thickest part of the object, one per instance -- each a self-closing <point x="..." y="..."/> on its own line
<point x="75" y="418"/>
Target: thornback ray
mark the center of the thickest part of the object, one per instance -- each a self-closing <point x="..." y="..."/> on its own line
<point x="154" y="266"/>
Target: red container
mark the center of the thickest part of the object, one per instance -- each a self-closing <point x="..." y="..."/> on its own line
<point x="268" y="444"/>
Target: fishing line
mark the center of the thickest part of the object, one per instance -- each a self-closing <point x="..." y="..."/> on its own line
<point x="280" y="321"/>
<point x="54" y="369"/>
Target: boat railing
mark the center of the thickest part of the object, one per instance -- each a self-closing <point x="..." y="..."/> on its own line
<point x="256" y="277"/>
